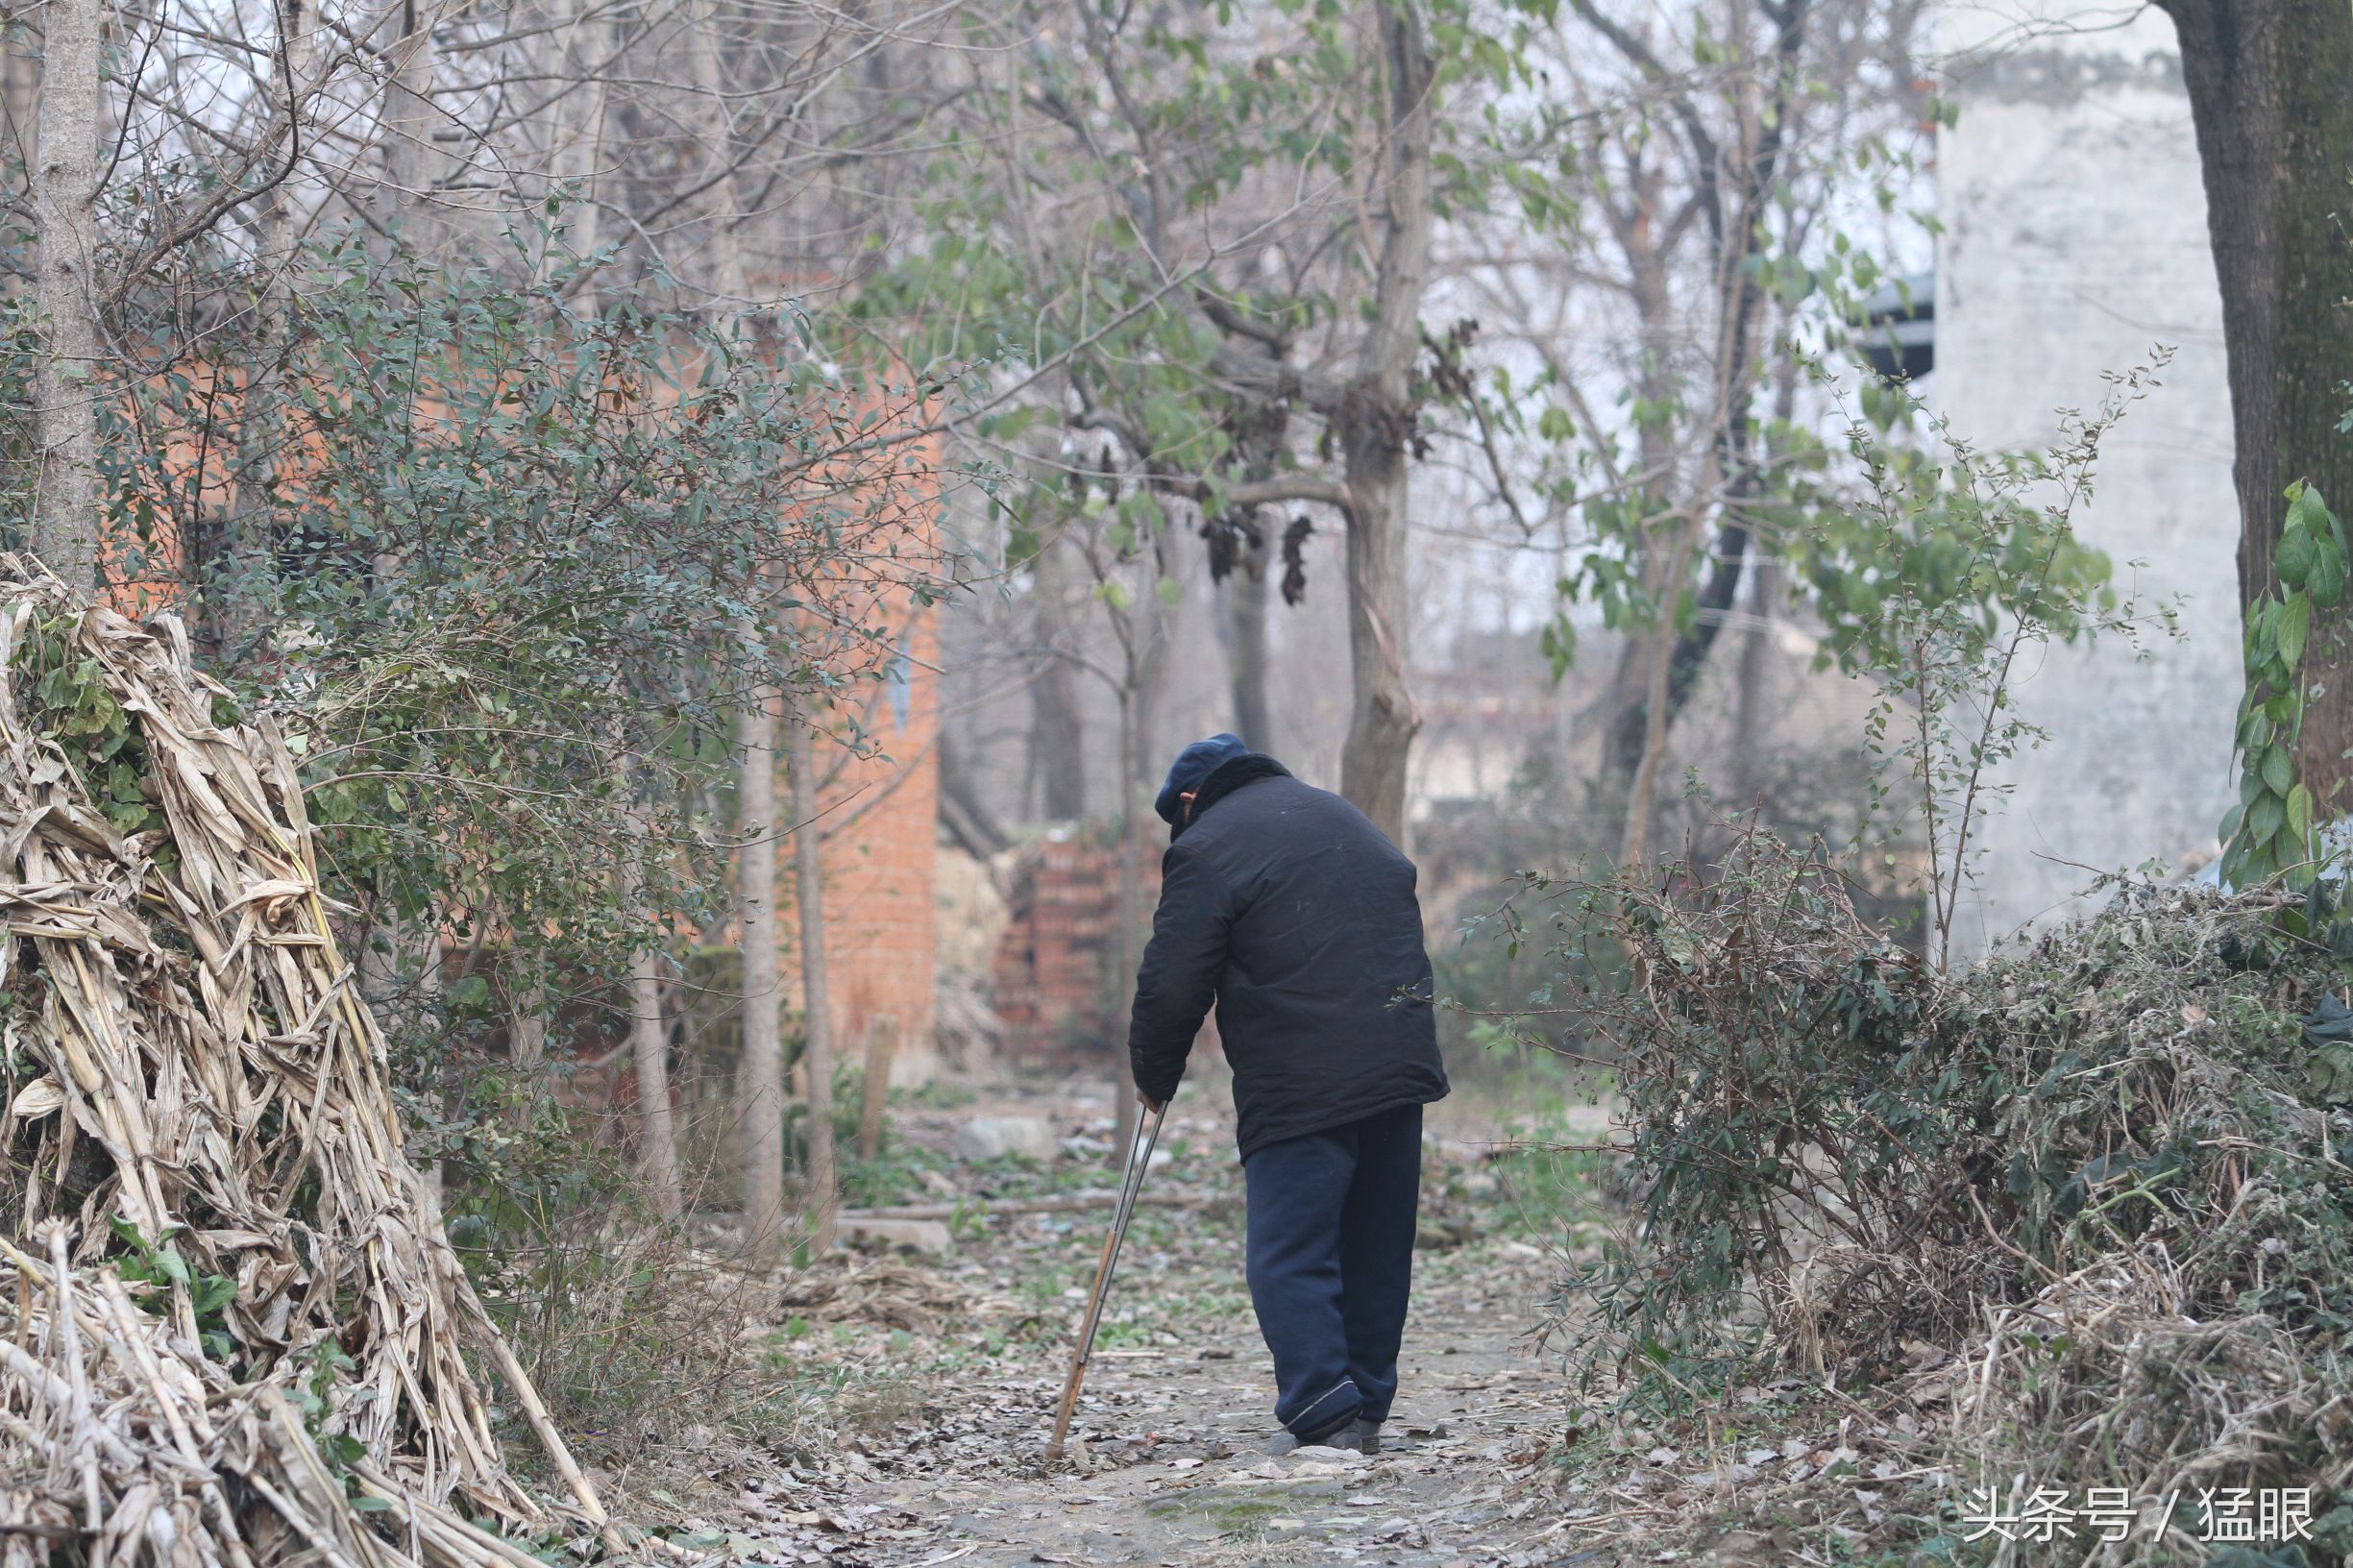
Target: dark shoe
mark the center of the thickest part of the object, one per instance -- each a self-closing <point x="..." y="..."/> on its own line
<point x="1367" y="1434"/>
<point x="1347" y="1435"/>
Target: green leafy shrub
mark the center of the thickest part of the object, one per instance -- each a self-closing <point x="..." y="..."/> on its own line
<point x="2271" y="830"/>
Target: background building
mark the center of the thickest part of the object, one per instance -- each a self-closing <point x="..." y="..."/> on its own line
<point x="2076" y="243"/>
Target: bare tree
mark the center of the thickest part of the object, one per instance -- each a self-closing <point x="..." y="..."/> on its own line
<point x="67" y="284"/>
<point x="649" y="1052"/>
<point x="1709" y="179"/>
<point x="1057" y="731"/>
<point x="1212" y="327"/>
<point x="1376" y="417"/>
<point x="820" y="1178"/>
<point x="763" y="1108"/>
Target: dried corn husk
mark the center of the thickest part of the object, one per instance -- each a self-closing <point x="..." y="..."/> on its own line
<point x="185" y="1054"/>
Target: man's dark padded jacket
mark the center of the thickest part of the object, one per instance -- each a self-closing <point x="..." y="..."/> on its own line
<point x="1286" y="905"/>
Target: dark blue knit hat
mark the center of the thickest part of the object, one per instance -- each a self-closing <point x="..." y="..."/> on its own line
<point x="1194" y="765"/>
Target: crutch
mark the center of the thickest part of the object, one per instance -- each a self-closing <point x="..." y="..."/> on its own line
<point x="1139" y="1161"/>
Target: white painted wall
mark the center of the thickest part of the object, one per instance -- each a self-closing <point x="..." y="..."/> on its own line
<point x="2076" y="238"/>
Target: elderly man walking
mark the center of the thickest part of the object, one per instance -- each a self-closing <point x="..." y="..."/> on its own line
<point x="1297" y="917"/>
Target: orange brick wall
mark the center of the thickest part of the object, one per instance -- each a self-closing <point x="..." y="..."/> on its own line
<point x="878" y="809"/>
<point x="878" y="813"/>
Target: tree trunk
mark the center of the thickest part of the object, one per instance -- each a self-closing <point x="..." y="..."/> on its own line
<point x="1246" y="648"/>
<point x="1671" y="665"/>
<point x="246" y="590"/>
<point x="1752" y="728"/>
<point x="1057" y="734"/>
<point x="649" y="1046"/>
<point x="526" y="1026"/>
<point x="429" y="978"/>
<point x="19" y="107"/>
<point x="763" y="1064"/>
<point x="730" y="280"/>
<point x="1058" y="741"/>
<point x="1377" y="422"/>
<point x="1383" y="718"/>
<point x="1641" y="795"/>
<point x="874" y="1090"/>
<point x="412" y="165"/>
<point x="648" y="1038"/>
<point x="2268" y="92"/>
<point x="1139" y="700"/>
<point x="816" y="1029"/>
<point x="1660" y="325"/>
<point x="1130" y="916"/>
<point x="1740" y="242"/>
<point x="581" y="135"/>
<point x="763" y="1067"/>
<point x="66" y="521"/>
<point x="961" y="811"/>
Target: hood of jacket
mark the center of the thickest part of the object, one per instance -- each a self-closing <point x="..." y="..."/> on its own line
<point x="1247" y="768"/>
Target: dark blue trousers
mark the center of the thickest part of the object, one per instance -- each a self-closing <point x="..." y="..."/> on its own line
<point x="1330" y="1262"/>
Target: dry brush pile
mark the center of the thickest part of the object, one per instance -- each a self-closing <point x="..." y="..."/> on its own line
<point x="2100" y="1184"/>
<point x="235" y="1332"/>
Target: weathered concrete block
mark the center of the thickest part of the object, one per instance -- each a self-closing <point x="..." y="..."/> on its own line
<point x="992" y="1137"/>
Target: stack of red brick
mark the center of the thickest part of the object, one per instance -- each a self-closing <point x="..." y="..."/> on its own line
<point x="1056" y="988"/>
<point x="1058" y="984"/>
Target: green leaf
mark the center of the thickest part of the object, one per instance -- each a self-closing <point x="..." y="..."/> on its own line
<point x="2263" y="633"/>
<point x="2328" y="1029"/>
<point x="1557" y="643"/>
<point x="370" y="1502"/>
<point x="2278" y="772"/>
<point x="2327" y="582"/>
<point x="2299" y="814"/>
<point x="2306" y="511"/>
<point x="2293" y="560"/>
<point x="2330" y="1073"/>
<point x="2263" y="819"/>
<point x="2294" y="622"/>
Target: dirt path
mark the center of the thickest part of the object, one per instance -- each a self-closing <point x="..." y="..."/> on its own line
<point x="1170" y="1470"/>
<point x="949" y="1369"/>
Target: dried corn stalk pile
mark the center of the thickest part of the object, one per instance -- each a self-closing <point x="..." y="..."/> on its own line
<point x="231" y="1324"/>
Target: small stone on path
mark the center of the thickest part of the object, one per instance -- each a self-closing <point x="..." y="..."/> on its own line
<point x="929" y="1237"/>
<point x="982" y="1139"/>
